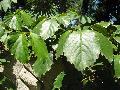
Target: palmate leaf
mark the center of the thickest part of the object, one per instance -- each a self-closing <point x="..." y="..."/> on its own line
<point x="83" y="48"/>
<point x="58" y="81"/>
<point x="20" y="49"/>
<point x="43" y="62"/>
<point x="46" y="28"/>
<point x="117" y="65"/>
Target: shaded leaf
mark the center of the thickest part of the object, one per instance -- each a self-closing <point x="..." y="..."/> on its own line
<point x="106" y="46"/>
<point x="100" y="29"/>
<point x="58" y="81"/>
<point x="20" y="49"/>
<point x="62" y="41"/>
<point x="43" y="62"/>
<point x="117" y="65"/>
<point x="27" y="20"/>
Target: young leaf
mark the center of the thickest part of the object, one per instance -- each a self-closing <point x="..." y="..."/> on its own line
<point x="20" y="49"/>
<point x="81" y="49"/>
<point x="117" y="65"/>
<point x="58" y="81"/>
<point x="43" y="62"/>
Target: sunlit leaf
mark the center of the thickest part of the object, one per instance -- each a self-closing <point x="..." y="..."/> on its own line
<point x="15" y="1"/>
<point x="6" y="4"/>
<point x="81" y="49"/>
<point x="15" y="22"/>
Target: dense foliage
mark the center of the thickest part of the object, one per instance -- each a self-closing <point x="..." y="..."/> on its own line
<point x="49" y="31"/>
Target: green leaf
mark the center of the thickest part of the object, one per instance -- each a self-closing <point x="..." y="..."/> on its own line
<point x="4" y="38"/>
<point x="6" y="4"/>
<point x="81" y="49"/>
<point x="27" y="20"/>
<point x="15" y="22"/>
<point x="15" y="1"/>
<point x="65" y="18"/>
<point x="83" y="20"/>
<point x="0" y="6"/>
<point x="1" y="32"/>
<point x="3" y="60"/>
<point x="61" y="43"/>
<point x="43" y="62"/>
<point x="100" y="29"/>
<point x="49" y="28"/>
<point x="117" y="38"/>
<point x="117" y="65"/>
<point x="37" y="28"/>
<point x="106" y="46"/>
<point x="58" y="81"/>
<point x="20" y="49"/>
<point x="104" y="24"/>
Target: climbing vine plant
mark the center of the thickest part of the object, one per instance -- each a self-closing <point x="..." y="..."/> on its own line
<point x="77" y="37"/>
